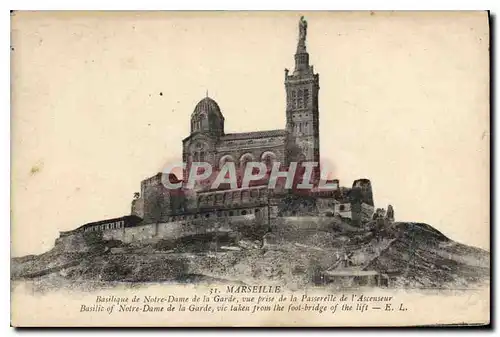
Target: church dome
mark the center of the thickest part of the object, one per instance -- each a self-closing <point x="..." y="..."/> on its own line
<point x="208" y="106"/>
<point x="207" y="117"/>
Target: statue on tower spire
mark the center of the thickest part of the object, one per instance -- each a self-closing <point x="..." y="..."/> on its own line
<point x="301" y="46"/>
<point x="302" y="29"/>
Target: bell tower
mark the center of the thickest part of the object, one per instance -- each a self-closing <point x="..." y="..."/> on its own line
<point x="302" y="113"/>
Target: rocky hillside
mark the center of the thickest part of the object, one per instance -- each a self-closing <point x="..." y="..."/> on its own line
<point x="292" y="252"/>
<point x="424" y="257"/>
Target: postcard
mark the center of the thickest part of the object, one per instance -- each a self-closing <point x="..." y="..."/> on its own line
<point x="250" y="169"/>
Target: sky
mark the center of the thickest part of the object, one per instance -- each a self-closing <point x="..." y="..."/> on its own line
<point x="101" y="101"/>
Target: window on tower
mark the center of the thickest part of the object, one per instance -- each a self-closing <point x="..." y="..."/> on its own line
<point x="300" y="99"/>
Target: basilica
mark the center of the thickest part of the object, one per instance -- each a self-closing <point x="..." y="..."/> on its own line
<point x="208" y="142"/>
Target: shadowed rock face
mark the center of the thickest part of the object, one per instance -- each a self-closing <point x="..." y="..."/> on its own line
<point x="421" y="256"/>
<point x="419" y="232"/>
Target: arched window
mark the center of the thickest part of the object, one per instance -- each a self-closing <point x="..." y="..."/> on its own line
<point x="300" y="127"/>
<point x="306" y="98"/>
<point x="202" y="121"/>
<point x="244" y="159"/>
<point x="294" y="99"/>
<point x="244" y="162"/>
<point x="268" y="158"/>
<point x="225" y="159"/>
<point x="199" y="152"/>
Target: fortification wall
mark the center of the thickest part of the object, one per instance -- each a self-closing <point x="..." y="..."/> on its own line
<point x="139" y="233"/>
<point x="113" y="234"/>
<point x="186" y="226"/>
